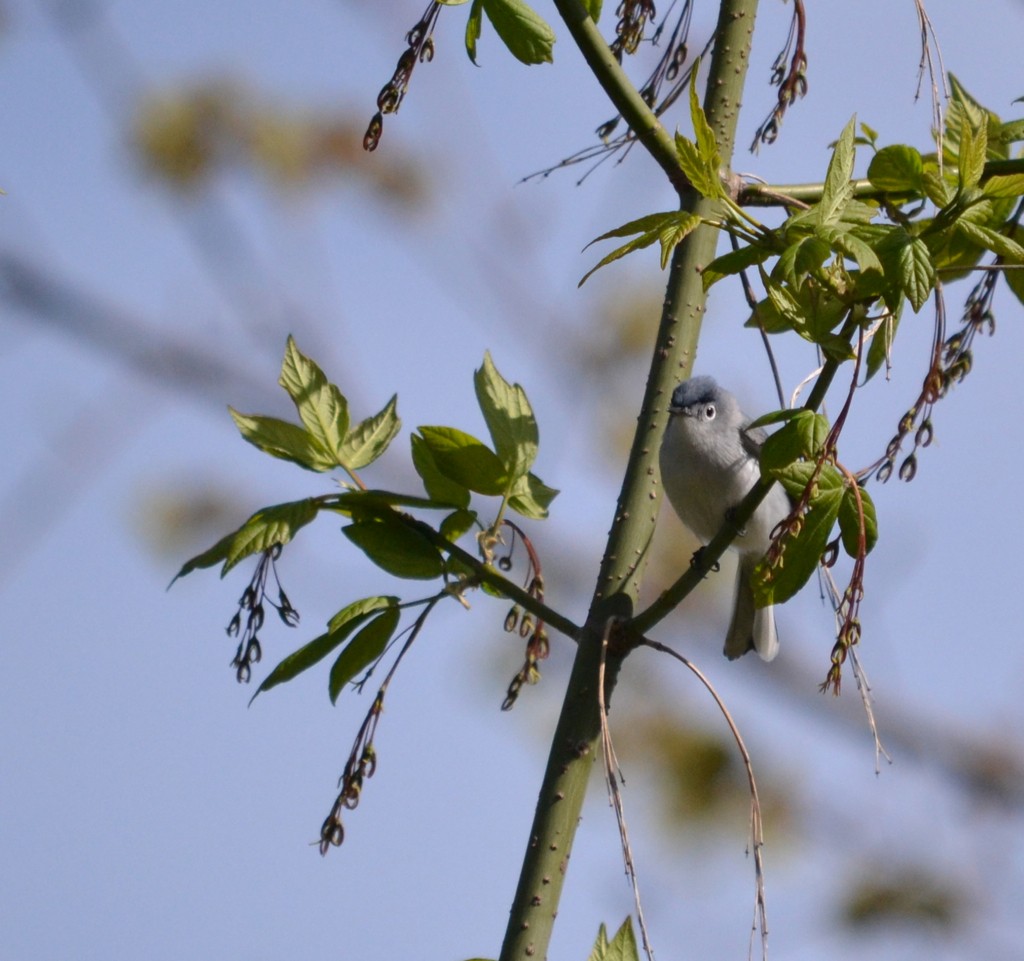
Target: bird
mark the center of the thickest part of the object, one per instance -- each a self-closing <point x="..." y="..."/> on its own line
<point x="709" y="461"/>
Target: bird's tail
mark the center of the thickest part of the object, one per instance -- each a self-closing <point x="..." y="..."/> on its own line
<point x="751" y="628"/>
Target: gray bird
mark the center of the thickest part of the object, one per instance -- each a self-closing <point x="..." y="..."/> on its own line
<point x="708" y="464"/>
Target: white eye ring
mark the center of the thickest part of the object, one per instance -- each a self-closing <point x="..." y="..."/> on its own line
<point x="709" y="411"/>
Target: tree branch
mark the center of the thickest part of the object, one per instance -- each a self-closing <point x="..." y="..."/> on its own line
<point x="573" y="747"/>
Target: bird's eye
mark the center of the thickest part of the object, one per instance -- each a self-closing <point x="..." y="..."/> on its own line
<point x="709" y="411"/>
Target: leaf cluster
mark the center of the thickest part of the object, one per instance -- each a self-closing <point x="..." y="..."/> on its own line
<point x="452" y="465"/>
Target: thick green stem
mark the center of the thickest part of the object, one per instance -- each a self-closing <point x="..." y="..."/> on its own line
<point x="573" y="747"/>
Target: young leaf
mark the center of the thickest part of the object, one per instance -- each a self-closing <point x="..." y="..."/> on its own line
<point x="732" y="263"/>
<point x="321" y="406"/>
<point x="622" y="947"/>
<point x="284" y="440"/>
<point x="972" y="153"/>
<point x="264" y="529"/>
<point x="850" y="518"/>
<point x="396" y="548"/>
<point x="509" y="419"/>
<point x="674" y="233"/>
<point x="473" y="27"/>
<point x="461" y="458"/>
<point x="916" y="272"/>
<point x="363" y="650"/>
<point x="370" y="438"/>
<point x="1006" y="187"/>
<point x="456" y="524"/>
<point x="707" y="146"/>
<point x="438" y="487"/>
<point x="531" y="497"/>
<point x="270" y="526"/>
<point x="838" y="190"/>
<point x="342" y="624"/>
<point x="650" y="228"/>
<point x="897" y="169"/>
<point x="991" y="239"/>
<point x="803" y="551"/>
<point x="525" y="33"/>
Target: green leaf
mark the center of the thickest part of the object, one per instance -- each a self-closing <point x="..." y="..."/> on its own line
<point x="1015" y="276"/>
<point x="377" y="501"/>
<point x="363" y="650"/>
<point x="802" y="552"/>
<point x="264" y="529"/>
<point x="370" y="438"/>
<point x="838" y="190"/>
<point x="473" y="27"/>
<point x="992" y="240"/>
<point x="1004" y="187"/>
<point x="281" y="439"/>
<point x="732" y="263"/>
<point x="849" y="521"/>
<point x="462" y="458"/>
<point x="525" y="33"/>
<point x="531" y="497"/>
<point x="321" y="406"/>
<point x="916" y="271"/>
<point x="844" y="241"/>
<point x="270" y="526"/>
<point x="972" y="154"/>
<point x="396" y="547"/>
<point x="802" y="437"/>
<point x="438" y="487"/>
<point x="668" y="228"/>
<point x="707" y="146"/>
<point x="897" y="169"/>
<point x="341" y="625"/>
<point x="456" y="524"/>
<point x="801" y="258"/>
<point x="593" y="8"/>
<point x="622" y="947"/>
<point x="691" y="163"/>
<point x="509" y="419"/>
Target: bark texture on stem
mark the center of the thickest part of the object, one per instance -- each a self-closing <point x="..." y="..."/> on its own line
<point x="573" y="747"/>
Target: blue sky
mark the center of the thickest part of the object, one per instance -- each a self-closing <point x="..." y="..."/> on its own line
<point x="147" y="812"/>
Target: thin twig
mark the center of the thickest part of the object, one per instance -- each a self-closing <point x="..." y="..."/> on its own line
<point x="612" y="777"/>
<point x="756" y="824"/>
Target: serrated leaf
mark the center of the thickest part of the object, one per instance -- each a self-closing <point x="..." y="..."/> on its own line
<point x="322" y="408"/>
<point x="788" y="307"/>
<point x="438" y="487"/>
<point x="474" y="25"/>
<point x="799" y="259"/>
<point x="916" y="272"/>
<point x="622" y="947"/>
<point x="801" y="553"/>
<point x="1006" y="133"/>
<point x="281" y="439"/>
<point x="732" y="263"/>
<point x="365" y="442"/>
<point x="897" y="169"/>
<point x="462" y="458"/>
<point x="363" y="650"/>
<point x="992" y="240"/>
<point x="692" y="165"/>
<point x="765" y="315"/>
<point x="844" y="241"/>
<point x="1006" y="187"/>
<point x="674" y="233"/>
<point x="531" y="497"/>
<point x="972" y="154"/>
<point x="649" y="228"/>
<point x="267" y="527"/>
<point x="850" y="519"/>
<point x="378" y="501"/>
<point x="838" y="190"/>
<point x="524" y="31"/>
<point x="509" y="418"/>
<point x="707" y="146"/>
<point x="341" y="625"/>
<point x="593" y="8"/>
<point x="396" y="548"/>
<point x="802" y="437"/>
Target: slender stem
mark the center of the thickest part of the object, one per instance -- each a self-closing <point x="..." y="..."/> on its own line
<point x="781" y="195"/>
<point x="575" y="741"/>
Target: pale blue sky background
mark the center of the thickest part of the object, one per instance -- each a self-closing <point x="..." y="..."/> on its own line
<point x="145" y="812"/>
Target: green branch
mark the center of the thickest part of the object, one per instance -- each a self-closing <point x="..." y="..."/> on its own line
<point x="620" y="90"/>
<point x="573" y="746"/>
<point x="781" y="195"/>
